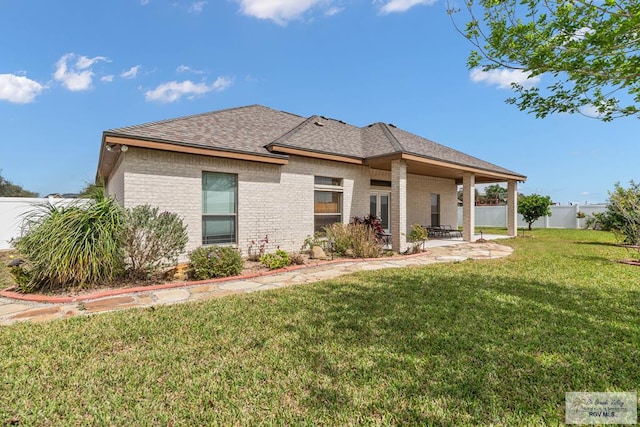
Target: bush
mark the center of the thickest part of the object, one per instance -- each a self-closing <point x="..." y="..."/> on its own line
<point x="623" y="213"/>
<point x="253" y="253"/>
<point x="316" y="240"/>
<point x="296" y="258"/>
<point x="357" y="240"/>
<point x="75" y="245"/>
<point x="277" y="260"/>
<point x="417" y="236"/>
<point x="371" y="221"/>
<point x="215" y="261"/>
<point x="150" y="240"/>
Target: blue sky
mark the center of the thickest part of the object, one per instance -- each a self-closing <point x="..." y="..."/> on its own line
<point x="70" y="70"/>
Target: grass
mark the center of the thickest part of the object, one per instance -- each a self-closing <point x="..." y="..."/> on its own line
<point x="494" y="342"/>
<point x="6" y="279"/>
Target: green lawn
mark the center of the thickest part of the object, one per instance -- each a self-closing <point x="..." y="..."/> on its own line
<point x="473" y="343"/>
<point x="6" y="279"/>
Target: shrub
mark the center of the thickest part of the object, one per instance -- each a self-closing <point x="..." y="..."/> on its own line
<point x="151" y="240"/>
<point x="316" y="240"/>
<point x="73" y="245"/>
<point x="596" y="221"/>
<point x="21" y="276"/>
<point x="277" y="260"/>
<point x="371" y="221"/>
<point x="296" y="258"/>
<point x="215" y="261"/>
<point x="622" y="216"/>
<point x="357" y="240"/>
<point x="417" y="235"/>
<point x="341" y="237"/>
<point x="254" y="254"/>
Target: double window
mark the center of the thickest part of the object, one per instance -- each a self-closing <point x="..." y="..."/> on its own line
<point x="327" y="202"/>
<point x="219" y="208"/>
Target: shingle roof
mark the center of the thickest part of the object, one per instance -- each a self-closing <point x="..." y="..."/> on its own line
<point x="256" y="129"/>
<point x="243" y="129"/>
<point x="414" y="144"/>
<point x="323" y="135"/>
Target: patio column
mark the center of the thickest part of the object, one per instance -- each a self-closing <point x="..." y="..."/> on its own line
<point x="468" y="206"/>
<point x="399" y="205"/>
<point x="512" y="208"/>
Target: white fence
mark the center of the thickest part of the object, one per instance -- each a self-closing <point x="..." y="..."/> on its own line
<point x="12" y="211"/>
<point x="561" y="216"/>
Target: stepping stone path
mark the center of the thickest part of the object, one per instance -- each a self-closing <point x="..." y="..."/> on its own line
<point x="41" y="309"/>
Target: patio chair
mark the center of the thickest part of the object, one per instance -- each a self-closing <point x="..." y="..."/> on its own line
<point x="434" y="231"/>
<point x="451" y="232"/>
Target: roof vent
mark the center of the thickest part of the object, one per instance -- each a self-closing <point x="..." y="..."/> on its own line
<point x="392" y="125"/>
<point x="318" y="122"/>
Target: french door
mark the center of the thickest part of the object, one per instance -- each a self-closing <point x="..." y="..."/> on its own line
<point x="380" y="206"/>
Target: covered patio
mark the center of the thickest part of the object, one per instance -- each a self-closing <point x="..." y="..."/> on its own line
<point x="468" y="172"/>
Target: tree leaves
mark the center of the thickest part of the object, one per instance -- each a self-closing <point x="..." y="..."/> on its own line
<point x="589" y="52"/>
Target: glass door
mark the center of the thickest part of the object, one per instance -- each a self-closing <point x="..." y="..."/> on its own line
<point x="380" y="206"/>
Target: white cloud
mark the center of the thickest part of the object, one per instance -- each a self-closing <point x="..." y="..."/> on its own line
<point x="185" y="68"/>
<point x="196" y="7"/>
<point x="172" y="91"/>
<point x="392" y="6"/>
<point x="131" y="73"/>
<point x="503" y="77"/>
<point x="78" y="77"/>
<point x="144" y="2"/>
<point x="18" y="89"/>
<point x="333" y="11"/>
<point x="279" y="11"/>
<point x="83" y="62"/>
<point x="107" y="79"/>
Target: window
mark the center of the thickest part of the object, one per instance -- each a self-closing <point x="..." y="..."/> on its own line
<point x="435" y="210"/>
<point x="219" y="207"/>
<point x="327" y="202"/>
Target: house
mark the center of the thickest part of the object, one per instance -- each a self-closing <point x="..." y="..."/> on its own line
<point x="241" y="174"/>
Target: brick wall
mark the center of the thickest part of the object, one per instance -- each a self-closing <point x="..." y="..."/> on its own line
<point x="419" y="193"/>
<point x="115" y="185"/>
<point x="273" y="200"/>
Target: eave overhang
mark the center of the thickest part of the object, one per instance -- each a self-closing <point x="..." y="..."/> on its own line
<point x="278" y="148"/>
<point x="421" y="165"/>
<point x="108" y="159"/>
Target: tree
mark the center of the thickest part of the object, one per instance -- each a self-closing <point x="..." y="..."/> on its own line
<point x="476" y="195"/>
<point x="588" y="48"/>
<point x="623" y="213"/>
<point x="533" y="207"/>
<point x="495" y="192"/>
<point x="90" y="189"/>
<point x="9" y="189"/>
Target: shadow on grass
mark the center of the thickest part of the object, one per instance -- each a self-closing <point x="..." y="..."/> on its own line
<point x="596" y="243"/>
<point x="469" y="349"/>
